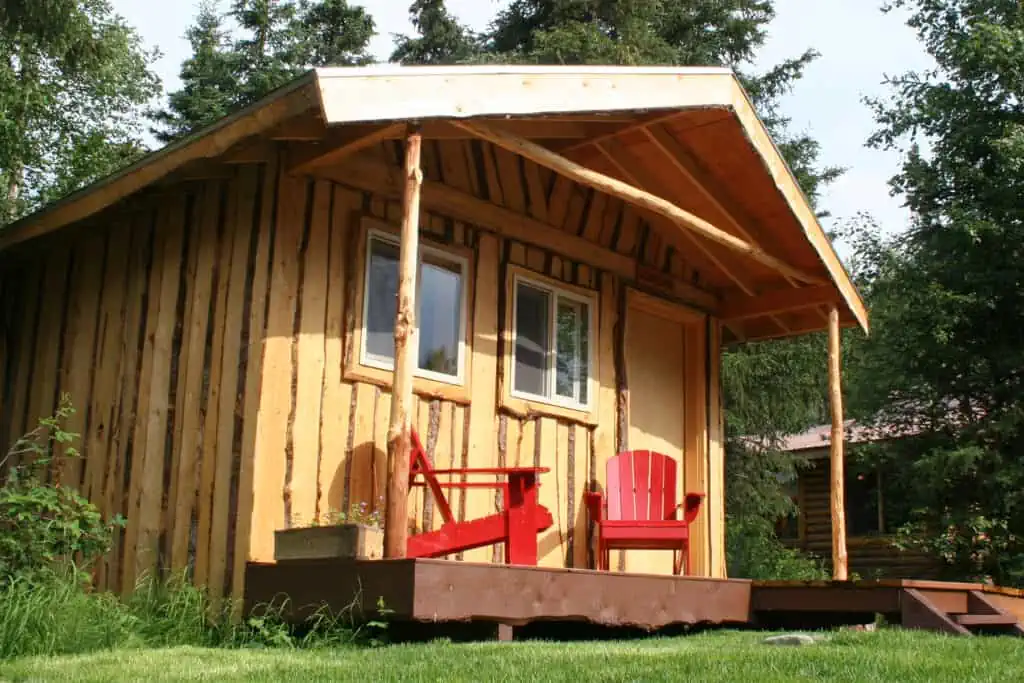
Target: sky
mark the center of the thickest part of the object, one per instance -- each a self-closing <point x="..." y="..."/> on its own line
<point x="858" y="44"/>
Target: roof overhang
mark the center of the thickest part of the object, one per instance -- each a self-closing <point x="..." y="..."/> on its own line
<point x="383" y="94"/>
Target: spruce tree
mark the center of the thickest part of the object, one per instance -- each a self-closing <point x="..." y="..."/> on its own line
<point x="442" y="38"/>
<point x="209" y="88"/>
<point x="269" y="51"/>
<point x="334" y="33"/>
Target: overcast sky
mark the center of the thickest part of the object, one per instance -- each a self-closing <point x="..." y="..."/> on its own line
<point x="859" y="46"/>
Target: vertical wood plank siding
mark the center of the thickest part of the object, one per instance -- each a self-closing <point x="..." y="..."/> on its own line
<point x="203" y="333"/>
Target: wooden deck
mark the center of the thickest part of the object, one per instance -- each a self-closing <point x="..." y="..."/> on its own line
<point x="426" y="591"/>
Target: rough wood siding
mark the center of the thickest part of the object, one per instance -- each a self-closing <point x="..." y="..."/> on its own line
<point x="869" y="556"/>
<point x="138" y="315"/>
<point x="205" y="330"/>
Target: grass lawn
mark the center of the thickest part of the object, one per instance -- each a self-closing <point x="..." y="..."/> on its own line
<point x="888" y="655"/>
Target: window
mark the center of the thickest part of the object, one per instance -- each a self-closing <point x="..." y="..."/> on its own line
<point x="861" y="497"/>
<point x="440" y="309"/>
<point x="788" y="527"/>
<point x="551" y="354"/>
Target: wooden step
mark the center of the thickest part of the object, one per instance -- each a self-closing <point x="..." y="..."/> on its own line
<point x="985" y="619"/>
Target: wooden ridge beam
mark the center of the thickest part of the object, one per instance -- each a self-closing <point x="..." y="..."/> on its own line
<point x="375" y="176"/>
<point x="628" y="193"/>
<point x="777" y="301"/>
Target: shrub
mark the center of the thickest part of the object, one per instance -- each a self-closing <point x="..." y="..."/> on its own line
<point x="45" y="527"/>
<point x="754" y="552"/>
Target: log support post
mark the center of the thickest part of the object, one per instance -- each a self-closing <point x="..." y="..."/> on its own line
<point x="396" y="523"/>
<point x="838" y="464"/>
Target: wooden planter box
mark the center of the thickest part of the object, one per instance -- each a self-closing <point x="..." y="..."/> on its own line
<point x="351" y="541"/>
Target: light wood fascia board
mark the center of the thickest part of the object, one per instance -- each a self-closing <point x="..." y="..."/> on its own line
<point x="633" y="195"/>
<point x="800" y="206"/>
<point x="424" y="93"/>
<point x="294" y="99"/>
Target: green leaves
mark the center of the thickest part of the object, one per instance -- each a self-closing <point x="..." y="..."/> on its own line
<point x="47" y="529"/>
<point x="946" y="355"/>
<point x="274" y="42"/>
<point x="73" y="81"/>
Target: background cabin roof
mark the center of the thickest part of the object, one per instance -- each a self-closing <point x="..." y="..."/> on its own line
<point x="689" y="135"/>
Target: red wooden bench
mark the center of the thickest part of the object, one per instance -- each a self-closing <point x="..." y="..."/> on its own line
<point x="517" y="525"/>
<point x="640" y="510"/>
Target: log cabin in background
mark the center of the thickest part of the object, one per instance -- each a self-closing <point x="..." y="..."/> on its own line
<point x="222" y="312"/>
<point x="874" y="502"/>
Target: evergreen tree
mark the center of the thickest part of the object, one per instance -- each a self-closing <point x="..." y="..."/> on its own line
<point x="269" y="53"/>
<point x="209" y="85"/>
<point x="947" y="354"/>
<point x="334" y="33"/>
<point x="73" y="81"/>
<point x="442" y="39"/>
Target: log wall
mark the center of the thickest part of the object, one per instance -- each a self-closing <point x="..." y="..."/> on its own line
<point x="204" y="332"/>
<point x="870" y="556"/>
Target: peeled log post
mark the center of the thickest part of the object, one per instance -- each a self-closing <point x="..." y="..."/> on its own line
<point x="396" y="524"/>
<point x="839" y="559"/>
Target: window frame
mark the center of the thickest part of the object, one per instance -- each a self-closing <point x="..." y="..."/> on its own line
<point x="359" y="365"/>
<point x="556" y="290"/>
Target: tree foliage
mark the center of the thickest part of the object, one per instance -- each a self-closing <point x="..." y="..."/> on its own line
<point x="274" y="42"/>
<point x="74" y="79"/>
<point x="209" y="84"/>
<point x="947" y="358"/>
<point x="442" y="38"/>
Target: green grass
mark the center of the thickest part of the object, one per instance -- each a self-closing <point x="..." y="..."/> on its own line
<point x="887" y="655"/>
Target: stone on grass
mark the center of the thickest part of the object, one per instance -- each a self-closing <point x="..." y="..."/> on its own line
<point x="790" y="639"/>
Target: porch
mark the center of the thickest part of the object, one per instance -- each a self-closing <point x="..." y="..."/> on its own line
<point x="431" y="597"/>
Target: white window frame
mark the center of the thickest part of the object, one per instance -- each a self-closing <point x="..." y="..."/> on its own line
<point x="555" y="293"/>
<point x="365" y="358"/>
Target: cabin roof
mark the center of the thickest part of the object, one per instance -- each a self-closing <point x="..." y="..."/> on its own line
<point x="687" y="134"/>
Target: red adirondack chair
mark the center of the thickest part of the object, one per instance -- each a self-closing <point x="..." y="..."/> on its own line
<point x="640" y="510"/>
<point x="516" y="525"/>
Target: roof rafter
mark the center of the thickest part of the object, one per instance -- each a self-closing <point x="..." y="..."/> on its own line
<point x="628" y="193"/>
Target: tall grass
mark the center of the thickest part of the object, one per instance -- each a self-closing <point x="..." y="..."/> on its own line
<point x="61" y="618"/>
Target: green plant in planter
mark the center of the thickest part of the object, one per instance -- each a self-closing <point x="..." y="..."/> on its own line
<point x="358" y="513"/>
<point x="47" y="528"/>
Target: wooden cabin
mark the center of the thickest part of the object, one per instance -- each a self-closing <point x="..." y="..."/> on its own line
<point x="872" y="501"/>
<point x="222" y="312"/>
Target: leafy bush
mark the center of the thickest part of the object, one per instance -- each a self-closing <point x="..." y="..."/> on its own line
<point x="754" y="552"/>
<point x="46" y="528"/>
